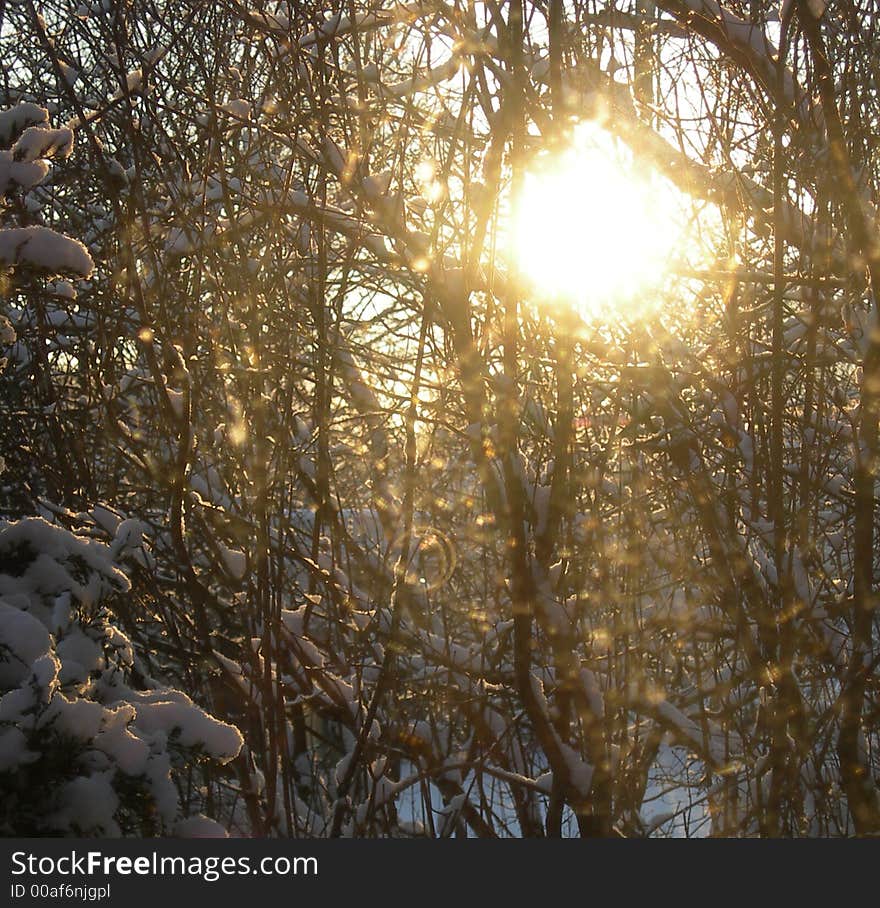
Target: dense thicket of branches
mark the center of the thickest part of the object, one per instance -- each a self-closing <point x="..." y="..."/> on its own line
<point x="452" y="560"/>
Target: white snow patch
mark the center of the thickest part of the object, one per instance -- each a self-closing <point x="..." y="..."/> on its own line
<point x="234" y="561"/>
<point x="39" y="142"/>
<point x="44" y="249"/>
<point x="238" y="108"/>
<point x="200" y="827"/>
<point x="17" y="118"/>
<point x="25" y="174"/>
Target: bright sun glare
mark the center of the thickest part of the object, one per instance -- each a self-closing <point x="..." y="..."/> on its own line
<point x="590" y="229"/>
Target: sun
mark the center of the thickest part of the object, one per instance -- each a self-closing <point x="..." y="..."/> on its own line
<point x="591" y="229"/>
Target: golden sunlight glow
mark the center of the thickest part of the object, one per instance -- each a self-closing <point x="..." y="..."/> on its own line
<point x="590" y="229"/>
